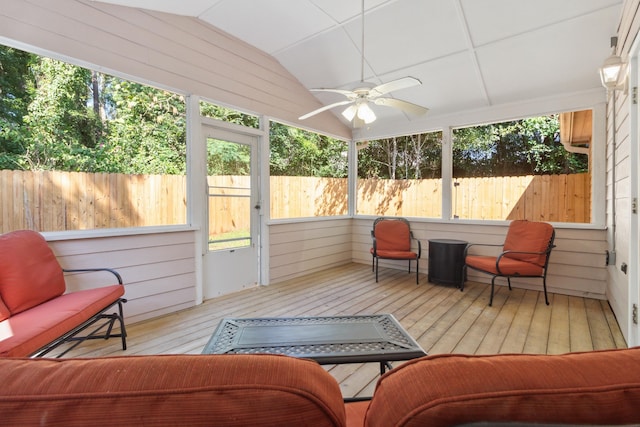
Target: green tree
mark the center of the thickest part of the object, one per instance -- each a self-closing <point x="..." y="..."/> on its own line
<point x="405" y="157"/>
<point x="520" y="147"/>
<point x="15" y="97"/>
<point x="63" y="129"/>
<point x="296" y="152"/>
<point x="146" y="130"/>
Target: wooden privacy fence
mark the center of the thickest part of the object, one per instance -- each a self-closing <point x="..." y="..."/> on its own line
<point x="57" y="201"/>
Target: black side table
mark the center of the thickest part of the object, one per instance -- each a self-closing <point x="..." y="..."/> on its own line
<point x="446" y="259"/>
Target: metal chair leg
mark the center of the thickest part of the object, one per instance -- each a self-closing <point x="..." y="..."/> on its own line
<point x="493" y="282"/>
<point x="376" y="270"/>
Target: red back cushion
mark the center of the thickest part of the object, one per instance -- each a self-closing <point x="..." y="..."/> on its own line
<point x="593" y="388"/>
<point x="392" y="235"/>
<point x="29" y="271"/>
<point x="171" y="390"/>
<point x="4" y="311"/>
<point x="528" y="236"/>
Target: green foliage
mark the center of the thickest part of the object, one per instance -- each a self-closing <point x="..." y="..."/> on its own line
<point x="14" y="100"/>
<point x="406" y="157"/>
<point x="227" y="158"/>
<point x="147" y="130"/>
<point x="522" y="147"/>
<point x="63" y="130"/>
<point x="54" y="115"/>
<point x="228" y="115"/>
<point x="295" y="152"/>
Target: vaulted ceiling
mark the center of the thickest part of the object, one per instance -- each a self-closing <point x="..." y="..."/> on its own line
<point x="469" y="54"/>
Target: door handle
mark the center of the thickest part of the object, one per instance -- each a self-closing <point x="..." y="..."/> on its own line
<point x="256" y="207"/>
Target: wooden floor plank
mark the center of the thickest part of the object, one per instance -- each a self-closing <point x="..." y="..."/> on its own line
<point x="441" y="318"/>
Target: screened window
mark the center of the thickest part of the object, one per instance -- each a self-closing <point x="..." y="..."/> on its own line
<point x="401" y="176"/>
<point x="84" y="150"/>
<point x="308" y="174"/>
<point x="534" y="168"/>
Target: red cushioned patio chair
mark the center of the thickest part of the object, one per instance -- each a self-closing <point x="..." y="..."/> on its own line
<point x="392" y="238"/>
<point x="525" y="253"/>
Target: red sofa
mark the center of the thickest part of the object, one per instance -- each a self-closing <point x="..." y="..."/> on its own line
<point x="600" y="387"/>
<point x="37" y="314"/>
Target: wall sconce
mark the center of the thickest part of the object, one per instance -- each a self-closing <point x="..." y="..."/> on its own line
<point x="613" y="69"/>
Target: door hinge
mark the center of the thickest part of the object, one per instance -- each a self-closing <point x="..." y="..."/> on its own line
<point x="634" y="315"/>
<point x="634" y="205"/>
<point x="634" y="95"/>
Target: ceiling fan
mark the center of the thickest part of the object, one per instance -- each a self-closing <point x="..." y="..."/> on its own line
<point x="358" y="99"/>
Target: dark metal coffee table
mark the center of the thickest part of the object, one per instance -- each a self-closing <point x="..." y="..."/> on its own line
<point x="327" y="340"/>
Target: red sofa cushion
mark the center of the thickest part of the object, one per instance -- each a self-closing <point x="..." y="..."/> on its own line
<point x="601" y="387"/>
<point x="24" y="333"/>
<point x="528" y="236"/>
<point x="29" y="271"/>
<point x="170" y="390"/>
<point x="4" y="311"/>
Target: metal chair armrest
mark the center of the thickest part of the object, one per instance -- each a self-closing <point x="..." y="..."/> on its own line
<point x="466" y="249"/>
<point x="82" y="270"/>
<point x="419" y="244"/>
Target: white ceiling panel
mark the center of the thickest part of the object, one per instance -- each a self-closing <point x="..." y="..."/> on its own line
<point x="288" y="21"/>
<point x="469" y="54"/>
<point x="329" y="60"/>
<point x="494" y="20"/>
<point x="429" y="30"/>
<point x="549" y="61"/>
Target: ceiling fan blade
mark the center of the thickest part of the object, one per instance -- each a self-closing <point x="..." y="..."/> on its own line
<point x="407" y="107"/>
<point x="348" y="93"/>
<point x="325" y="108"/>
<point x="402" y="83"/>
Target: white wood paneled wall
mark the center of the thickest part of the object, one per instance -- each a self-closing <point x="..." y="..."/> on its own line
<point x="158" y="269"/>
<point x="300" y="248"/>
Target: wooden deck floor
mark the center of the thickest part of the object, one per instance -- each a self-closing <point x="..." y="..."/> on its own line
<point x="441" y="318"/>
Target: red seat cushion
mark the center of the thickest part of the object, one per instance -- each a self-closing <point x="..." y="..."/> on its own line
<point x="29" y="271"/>
<point x="528" y="236"/>
<point x="508" y="266"/>
<point x="24" y="333"/>
<point x="396" y="254"/>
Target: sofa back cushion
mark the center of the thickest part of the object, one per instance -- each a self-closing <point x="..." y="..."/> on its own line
<point x="4" y="311"/>
<point x="170" y="390"/>
<point x="601" y="387"/>
<point x="29" y="271"/>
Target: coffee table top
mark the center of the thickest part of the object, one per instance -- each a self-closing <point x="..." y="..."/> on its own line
<point x="328" y="340"/>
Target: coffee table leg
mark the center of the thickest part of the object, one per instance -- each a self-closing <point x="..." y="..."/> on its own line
<point x="384" y="366"/>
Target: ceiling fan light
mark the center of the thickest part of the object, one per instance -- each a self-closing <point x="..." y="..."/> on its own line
<point x="365" y="113"/>
<point x="350" y="112"/>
